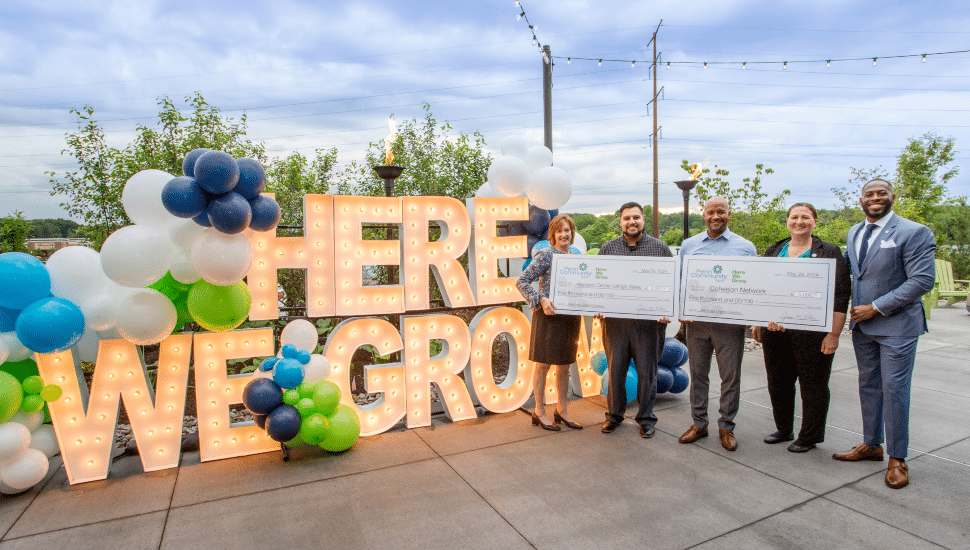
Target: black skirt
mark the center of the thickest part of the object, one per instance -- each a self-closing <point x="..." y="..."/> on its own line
<point x="555" y="338"/>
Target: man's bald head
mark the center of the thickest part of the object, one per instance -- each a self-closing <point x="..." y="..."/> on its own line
<point x="717" y="213"/>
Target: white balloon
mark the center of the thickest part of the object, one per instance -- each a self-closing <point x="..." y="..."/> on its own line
<point x="508" y="175"/>
<point x="142" y="199"/>
<point x="14" y="441"/>
<point x="317" y="370"/>
<point x="31" y="421"/>
<point x="538" y="157"/>
<point x="182" y="269"/>
<point x="87" y="346"/>
<point x="301" y="333"/>
<point x="549" y="188"/>
<point x="184" y="232"/>
<point x="44" y="439"/>
<point x="100" y="311"/>
<point x="26" y="472"/>
<point x="110" y="334"/>
<point x="16" y="350"/>
<point x="76" y="273"/>
<point x="222" y="259"/>
<point x="146" y="316"/>
<point x="580" y="243"/>
<point x="515" y="146"/>
<point x="262" y="373"/>
<point x="136" y="255"/>
<point x="4" y="351"/>
<point x="486" y="191"/>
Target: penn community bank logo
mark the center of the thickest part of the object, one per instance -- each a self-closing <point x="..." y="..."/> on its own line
<point x="717" y="270"/>
<point x="582" y="267"/>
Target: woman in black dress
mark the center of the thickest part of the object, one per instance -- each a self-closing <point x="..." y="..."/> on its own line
<point x="554" y="337"/>
<point x="803" y="355"/>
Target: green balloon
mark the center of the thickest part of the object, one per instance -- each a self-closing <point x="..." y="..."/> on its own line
<point x="20" y="370"/>
<point x="51" y="392"/>
<point x="315" y="428"/>
<point x="178" y="294"/>
<point x="219" y="308"/>
<point x="305" y="406"/>
<point x="295" y="442"/>
<point x="11" y="395"/>
<point x="326" y="397"/>
<point x="291" y="396"/>
<point x="306" y="390"/>
<point x="33" y="385"/>
<point x="344" y="430"/>
<point x="32" y="404"/>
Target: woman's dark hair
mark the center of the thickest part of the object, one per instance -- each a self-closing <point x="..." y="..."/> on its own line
<point x="803" y="205"/>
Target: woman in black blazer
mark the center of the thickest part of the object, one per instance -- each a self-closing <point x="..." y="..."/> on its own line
<point x="803" y="355"/>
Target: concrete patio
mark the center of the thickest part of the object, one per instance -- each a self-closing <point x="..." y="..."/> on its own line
<point x="499" y="482"/>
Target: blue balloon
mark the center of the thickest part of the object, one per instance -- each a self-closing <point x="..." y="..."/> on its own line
<point x="283" y="424"/>
<point x="23" y="280"/>
<point x="303" y="356"/>
<point x="50" y="325"/>
<point x="8" y="319"/>
<point x="266" y="213"/>
<point x="183" y="197"/>
<point x="516" y="228"/>
<point x="260" y="420"/>
<point x="268" y="363"/>
<point x="252" y="178"/>
<point x="202" y="219"/>
<point x="598" y="363"/>
<point x="188" y="164"/>
<point x="543" y="244"/>
<point x="526" y="263"/>
<point x="289" y="351"/>
<point x="538" y="222"/>
<point x="288" y="373"/>
<point x="229" y="213"/>
<point x="674" y="353"/>
<point x="553" y="213"/>
<point x="262" y="395"/>
<point x="681" y="380"/>
<point x="216" y="172"/>
<point x="574" y="250"/>
<point x="631" y="383"/>
<point x="665" y="379"/>
<point x="605" y="383"/>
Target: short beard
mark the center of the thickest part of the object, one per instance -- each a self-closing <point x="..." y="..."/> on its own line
<point x="881" y="216"/>
<point x="637" y="236"/>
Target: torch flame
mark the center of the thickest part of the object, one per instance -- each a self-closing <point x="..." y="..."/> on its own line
<point x="389" y="141"/>
<point x="697" y="168"/>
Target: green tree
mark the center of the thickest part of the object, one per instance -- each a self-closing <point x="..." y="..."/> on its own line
<point x="93" y="191"/>
<point x="13" y="233"/>
<point x="953" y="237"/>
<point x="605" y="228"/>
<point x="922" y="172"/>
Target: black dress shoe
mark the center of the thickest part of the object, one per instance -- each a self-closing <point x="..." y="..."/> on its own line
<point x="778" y="437"/>
<point x="558" y="418"/>
<point x="609" y="426"/>
<point x="647" y="432"/>
<point x="798" y="447"/>
<point x="536" y="421"/>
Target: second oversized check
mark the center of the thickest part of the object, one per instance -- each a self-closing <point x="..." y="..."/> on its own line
<point x="640" y="287"/>
<point x="798" y="293"/>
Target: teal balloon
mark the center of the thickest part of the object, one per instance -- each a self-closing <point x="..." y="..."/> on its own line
<point x="50" y="325"/>
<point x="326" y="397"/>
<point x="11" y="395"/>
<point x="344" y="430"/>
<point x="23" y="280"/>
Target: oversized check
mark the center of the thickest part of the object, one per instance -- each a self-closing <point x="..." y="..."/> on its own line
<point x="639" y="287"/>
<point x="796" y="292"/>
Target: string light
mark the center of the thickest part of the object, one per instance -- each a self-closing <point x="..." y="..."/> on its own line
<point x="924" y="59"/>
<point x="873" y="61"/>
<point x="784" y="65"/>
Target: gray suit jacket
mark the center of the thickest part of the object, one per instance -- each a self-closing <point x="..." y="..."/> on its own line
<point x="898" y="270"/>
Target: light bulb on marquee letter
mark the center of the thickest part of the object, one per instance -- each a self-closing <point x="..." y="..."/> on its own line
<point x="387" y="379"/>
<point x="441" y="255"/>
<point x="314" y="252"/>
<point x="85" y="422"/>
<point x="584" y="381"/>
<point x="515" y="390"/>
<point x="215" y="391"/>
<point x="352" y="253"/>
<point x="486" y="248"/>
<point x="421" y="370"/>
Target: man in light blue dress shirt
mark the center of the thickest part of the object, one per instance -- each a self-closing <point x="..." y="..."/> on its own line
<point x="704" y="339"/>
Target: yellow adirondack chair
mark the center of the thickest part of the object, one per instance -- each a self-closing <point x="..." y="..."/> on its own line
<point x="946" y="287"/>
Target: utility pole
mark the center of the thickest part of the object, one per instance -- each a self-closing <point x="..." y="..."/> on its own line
<point x="656" y="173"/>
<point x="547" y="95"/>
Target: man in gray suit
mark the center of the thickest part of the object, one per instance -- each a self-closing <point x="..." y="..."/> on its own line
<point x="892" y="268"/>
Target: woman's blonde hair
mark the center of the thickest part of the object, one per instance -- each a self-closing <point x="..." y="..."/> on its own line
<point x="555" y="225"/>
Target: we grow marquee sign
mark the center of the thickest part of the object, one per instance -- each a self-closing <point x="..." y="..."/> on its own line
<point x="333" y="253"/>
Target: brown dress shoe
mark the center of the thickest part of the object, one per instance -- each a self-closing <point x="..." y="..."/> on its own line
<point x="727" y="440"/>
<point x="860" y="452"/>
<point x="693" y="434"/>
<point x="897" y="476"/>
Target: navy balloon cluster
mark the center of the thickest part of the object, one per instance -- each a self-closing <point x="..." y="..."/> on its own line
<point x="536" y="230"/>
<point x="219" y="191"/>
<point x="670" y="376"/>
<point x="43" y="323"/>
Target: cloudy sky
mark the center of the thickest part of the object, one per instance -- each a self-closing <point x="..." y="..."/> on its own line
<point x="328" y="74"/>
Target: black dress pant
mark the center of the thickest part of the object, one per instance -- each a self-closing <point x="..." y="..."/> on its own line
<point x="797" y="355"/>
<point x="641" y="341"/>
